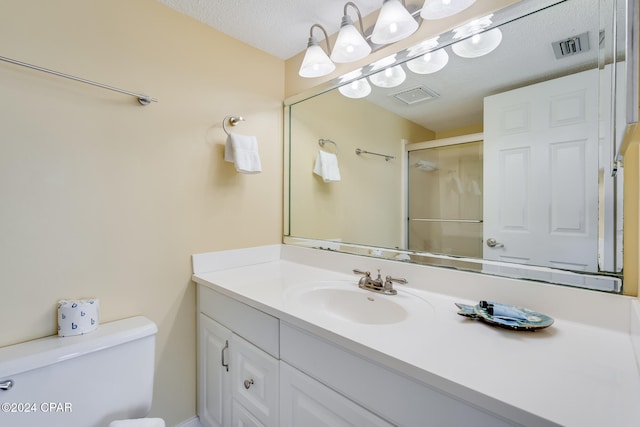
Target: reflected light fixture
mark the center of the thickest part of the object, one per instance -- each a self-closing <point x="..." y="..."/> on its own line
<point x="394" y="23"/>
<point x="427" y="60"/>
<point x="357" y="88"/>
<point x="473" y="41"/>
<point x="478" y="44"/>
<point x="389" y="77"/>
<point x="429" y="63"/>
<point x="438" y="9"/>
<point x="350" y="45"/>
<point x="316" y="63"/>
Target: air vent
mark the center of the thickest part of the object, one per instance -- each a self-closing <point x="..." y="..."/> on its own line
<point x="415" y="95"/>
<point x="571" y="46"/>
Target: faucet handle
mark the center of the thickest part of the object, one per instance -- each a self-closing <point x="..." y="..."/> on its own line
<point x="400" y="280"/>
<point x="365" y="273"/>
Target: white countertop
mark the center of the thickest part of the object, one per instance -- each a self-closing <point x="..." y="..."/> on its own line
<point x="573" y="373"/>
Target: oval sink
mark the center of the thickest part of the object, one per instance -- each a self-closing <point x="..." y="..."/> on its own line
<point x="345" y="301"/>
<point x="354" y="305"/>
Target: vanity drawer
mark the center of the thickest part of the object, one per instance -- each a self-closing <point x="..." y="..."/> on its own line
<point x="255" y="326"/>
<point x="254" y="380"/>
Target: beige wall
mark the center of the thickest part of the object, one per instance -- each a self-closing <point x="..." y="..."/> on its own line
<point x="369" y="194"/>
<point x="104" y="198"/>
<point x="632" y="217"/>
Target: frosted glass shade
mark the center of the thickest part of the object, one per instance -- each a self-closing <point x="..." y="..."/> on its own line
<point x="350" y="45"/>
<point x="429" y="63"/>
<point x="394" y="23"/>
<point x="316" y="63"/>
<point x="356" y="89"/>
<point x="438" y="9"/>
<point x="478" y="44"/>
<point x="390" y="77"/>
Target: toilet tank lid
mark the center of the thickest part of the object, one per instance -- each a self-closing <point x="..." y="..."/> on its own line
<point x="45" y="351"/>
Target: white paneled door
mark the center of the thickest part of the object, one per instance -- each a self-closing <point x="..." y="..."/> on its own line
<point x="541" y="174"/>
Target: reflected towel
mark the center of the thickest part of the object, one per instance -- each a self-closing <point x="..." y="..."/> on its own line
<point x="327" y="166"/>
<point x="242" y="150"/>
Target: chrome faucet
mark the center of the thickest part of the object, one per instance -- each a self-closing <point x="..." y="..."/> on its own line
<point x="378" y="285"/>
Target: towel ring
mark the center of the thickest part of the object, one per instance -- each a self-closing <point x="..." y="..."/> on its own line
<point x="233" y="121"/>
<point x="321" y="142"/>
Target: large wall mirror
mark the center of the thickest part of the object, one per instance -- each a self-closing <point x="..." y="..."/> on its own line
<point x="492" y="148"/>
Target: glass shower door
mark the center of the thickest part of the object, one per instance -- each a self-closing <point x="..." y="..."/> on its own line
<point x="445" y="200"/>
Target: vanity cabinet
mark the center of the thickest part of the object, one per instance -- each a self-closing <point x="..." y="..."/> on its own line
<point x="237" y="380"/>
<point x="306" y="402"/>
<point x="256" y="370"/>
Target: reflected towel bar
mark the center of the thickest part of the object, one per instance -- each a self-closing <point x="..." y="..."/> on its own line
<point x="321" y="142"/>
<point x="142" y="98"/>
<point x="386" y="157"/>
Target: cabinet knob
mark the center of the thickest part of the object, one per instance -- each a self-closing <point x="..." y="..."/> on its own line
<point x="248" y="383"/>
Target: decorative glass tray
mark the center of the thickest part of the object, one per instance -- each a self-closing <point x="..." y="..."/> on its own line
<point x="505" y="316"/>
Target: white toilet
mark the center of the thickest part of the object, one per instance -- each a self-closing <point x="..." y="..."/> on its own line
<point x="95" y="380"/>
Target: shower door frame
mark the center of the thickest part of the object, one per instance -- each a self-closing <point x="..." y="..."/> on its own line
<point x="435" y="143"/>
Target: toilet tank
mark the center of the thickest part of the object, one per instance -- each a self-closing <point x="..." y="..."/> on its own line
<point x="80" y="381"/>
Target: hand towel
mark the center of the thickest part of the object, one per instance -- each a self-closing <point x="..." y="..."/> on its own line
<point x="242" y="150"/>
<point x="327" y="166"/>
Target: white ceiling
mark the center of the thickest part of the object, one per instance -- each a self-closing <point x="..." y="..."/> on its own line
<point x="278" y="27"/>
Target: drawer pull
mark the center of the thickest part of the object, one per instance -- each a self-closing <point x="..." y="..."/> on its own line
<point x="226" y="346"/>
<point x="7" y="385"/>
<point x="248" y="383"/>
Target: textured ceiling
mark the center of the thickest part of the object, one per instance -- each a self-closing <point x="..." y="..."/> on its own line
<point x="278" y="27"/>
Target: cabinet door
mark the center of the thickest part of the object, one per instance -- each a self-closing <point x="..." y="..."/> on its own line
<point x="241" y="417"/>
<point x="254" y="380"/>
<point x="306" y="402"/>
<point x="214" y="400"/>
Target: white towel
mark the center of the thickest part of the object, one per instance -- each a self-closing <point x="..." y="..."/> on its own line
<point x="327" y="166"/>
<point x="243" y="151"/>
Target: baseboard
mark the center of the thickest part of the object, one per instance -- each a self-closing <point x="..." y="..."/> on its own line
<point x="191" y="422"/>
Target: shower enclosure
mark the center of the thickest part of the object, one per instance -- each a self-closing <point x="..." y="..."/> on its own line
<point x="445" y="199"/>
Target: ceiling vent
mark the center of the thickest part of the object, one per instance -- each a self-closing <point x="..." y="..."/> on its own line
<point x="415" y="95"/>
<point x="571" y="46"/>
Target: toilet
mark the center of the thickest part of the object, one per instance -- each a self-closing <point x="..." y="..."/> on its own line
<point x="104" y="378"/>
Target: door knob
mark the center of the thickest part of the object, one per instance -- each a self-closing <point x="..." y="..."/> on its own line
<point x="492" y="243"/>
<point x="248" y="383"/>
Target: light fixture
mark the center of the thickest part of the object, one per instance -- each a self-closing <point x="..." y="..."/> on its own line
<point x="350" y="45"/>
<point x="429" y="63"/>
<point x="475" y="40"/>
<point x="394" y="23"/>
<point x="478" y="44"/>
<point x="438" y="9"/>
<point x="389" y="77"/>
<point x="316" y="63"/>
<point x="426" y="59"/>
<point x="357" y="88"/>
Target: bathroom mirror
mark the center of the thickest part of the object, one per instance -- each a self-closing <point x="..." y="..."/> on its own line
<point x="450" y="168"/>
